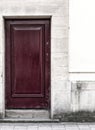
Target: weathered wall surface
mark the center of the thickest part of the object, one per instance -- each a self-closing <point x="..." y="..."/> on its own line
<point x="58" y="11"/>
<point x="83" y="96"/>
<point x="82" y="55"/>
<point x="69" y="91"/>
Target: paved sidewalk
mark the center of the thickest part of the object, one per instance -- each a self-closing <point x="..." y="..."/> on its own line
<point x="47" y="126"/>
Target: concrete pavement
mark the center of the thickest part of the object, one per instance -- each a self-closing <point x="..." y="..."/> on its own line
<point x="47" y="126"/>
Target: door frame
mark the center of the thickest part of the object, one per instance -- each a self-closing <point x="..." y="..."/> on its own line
<point x="37" y="18"/>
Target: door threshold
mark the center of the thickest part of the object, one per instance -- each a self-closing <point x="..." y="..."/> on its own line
<point x="27" y="114"/>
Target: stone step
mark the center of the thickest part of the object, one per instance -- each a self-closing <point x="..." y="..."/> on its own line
<point x="17" y="120"/>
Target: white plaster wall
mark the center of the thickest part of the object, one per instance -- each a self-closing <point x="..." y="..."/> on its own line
<point x="82" y="54"/>
<point x="58" y="10"/>
<point x="82" y="36"/>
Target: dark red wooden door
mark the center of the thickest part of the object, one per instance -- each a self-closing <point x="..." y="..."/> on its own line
<point x="27" y="62"/>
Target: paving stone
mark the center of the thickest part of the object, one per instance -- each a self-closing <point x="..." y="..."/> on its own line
<point x="58" y="127"/>
<point x="71" y="127"/>
<point x="34" y="127"/>
<point x="7" y="128"/>
<point x="45" y="128"/>
<point x="20" y="128"/>
<point x="92" y="128"/>
<point x="92" y="125"/>
<point x="84" y="127"/>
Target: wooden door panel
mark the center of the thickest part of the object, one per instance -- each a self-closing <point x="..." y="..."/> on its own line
<point x="27" y="65"/>
<point x="27" y="53"/>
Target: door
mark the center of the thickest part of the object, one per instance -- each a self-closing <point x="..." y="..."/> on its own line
<point x="27" y="63"/>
